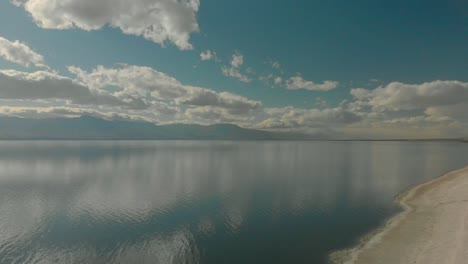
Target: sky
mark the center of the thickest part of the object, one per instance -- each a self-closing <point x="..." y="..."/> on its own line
<point x="365" y="69"/>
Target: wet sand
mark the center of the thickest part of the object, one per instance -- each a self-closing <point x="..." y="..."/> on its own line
<point x="432" y="229"/>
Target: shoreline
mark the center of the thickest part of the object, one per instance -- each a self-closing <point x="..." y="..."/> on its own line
<point x="434" y="213"/>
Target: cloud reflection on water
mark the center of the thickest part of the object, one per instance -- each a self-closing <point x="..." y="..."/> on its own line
<point x="173" y="201"/>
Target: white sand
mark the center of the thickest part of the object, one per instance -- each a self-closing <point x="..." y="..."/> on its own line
<point x="433" y="229"/>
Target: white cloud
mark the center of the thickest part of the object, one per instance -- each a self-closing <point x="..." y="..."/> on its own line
<point x="297" y="82"/>
<point x="437" y="109"/>
<point x="42" y="85"/>
<point x="62" y="111"/>
<point x="237" y="60"/>
<point x="275" y="65"/>
<point x="271" y="80"/>
<point x="278" y="80"/>
<point x="431" y="109"/>
<point x="398" y="96"/>
<point x="295" y="118"/>
<point x="133" y="80"/>
<point x="208" y="55"/>
<point x="126" y="90"/>
<point x="210" y="115"/>
<point x="20" y="53"/>
<point x="456" y="111"/>
<point x="147" y="83"/>
<point x="234" y="103"/>
<point x="234" y="72"/>
<point x="155" y="20"/>
<point x="414" y="121"/>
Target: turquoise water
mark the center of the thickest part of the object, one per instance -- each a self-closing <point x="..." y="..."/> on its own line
<point x="203" y="202"/>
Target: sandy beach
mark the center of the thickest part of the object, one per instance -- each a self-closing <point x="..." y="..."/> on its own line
<point x="432" y="229"/>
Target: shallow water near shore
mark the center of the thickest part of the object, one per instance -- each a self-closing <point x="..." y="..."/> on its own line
<point x="203" y="202"/>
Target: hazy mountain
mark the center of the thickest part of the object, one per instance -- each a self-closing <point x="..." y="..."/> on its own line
<point x="87" y="127"/>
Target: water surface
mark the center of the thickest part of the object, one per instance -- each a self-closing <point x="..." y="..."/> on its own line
<point x="203" y="202"/>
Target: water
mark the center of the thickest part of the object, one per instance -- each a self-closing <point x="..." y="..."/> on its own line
<point x="203" y="202"/>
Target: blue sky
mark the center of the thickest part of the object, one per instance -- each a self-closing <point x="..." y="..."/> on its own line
<point x="353" y="45"/>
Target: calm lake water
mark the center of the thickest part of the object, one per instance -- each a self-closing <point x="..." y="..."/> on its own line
<point x="203" y="202"/>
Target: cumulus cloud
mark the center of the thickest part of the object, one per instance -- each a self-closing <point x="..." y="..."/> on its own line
<point x="156" y="20"/>
<point x="297" y="82"/>
<point x="295" y="118"/>
<point x="126" y="89"/>
<point x="132" y="80"/>
<point x="456" y="111"/>
<point x="41" y="85"/>
<point x="414" y="121"/>
<point x="210" y="115"/>
<point x="234" y="72"/>
<point x="435" y="109"/>
<point x="413" y="126"/>
<point x="398" y="96"/>
<point x="62" y="111"/>
<point x="237" y="60"/>
<point x="278" y="80"/>
<point x="147" y="82"/>
<point x="20" y="53"/>
<point x="208" y="55"/>
<point x="234" y="103"/>
<point x="142" y="93"/>
<point x="271" y="80"/>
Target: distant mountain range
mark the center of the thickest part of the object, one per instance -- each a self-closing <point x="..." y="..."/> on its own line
<point x="92" y="128"/>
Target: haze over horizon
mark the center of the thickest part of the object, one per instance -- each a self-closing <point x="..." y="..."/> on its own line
<point x="377" y="69"/>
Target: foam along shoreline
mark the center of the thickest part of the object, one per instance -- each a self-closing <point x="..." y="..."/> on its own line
<point x="432" y="229"/>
